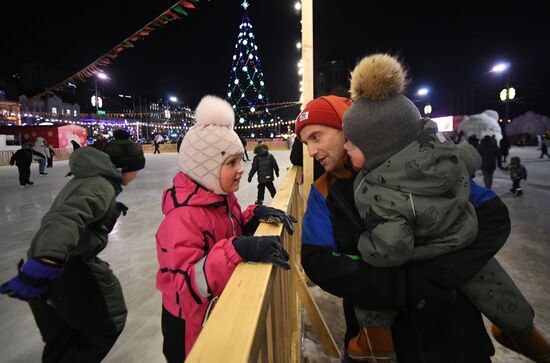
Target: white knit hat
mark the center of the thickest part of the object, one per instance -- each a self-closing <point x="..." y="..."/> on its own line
<point x="207" y="144"/>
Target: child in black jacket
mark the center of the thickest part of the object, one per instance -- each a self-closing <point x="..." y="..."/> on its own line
<point x="22" y="158"/>
<point x="265" y="164"/>
<point x="517" y="172"/>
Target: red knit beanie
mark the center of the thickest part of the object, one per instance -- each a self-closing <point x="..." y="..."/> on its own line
<point x="325" y="110"/>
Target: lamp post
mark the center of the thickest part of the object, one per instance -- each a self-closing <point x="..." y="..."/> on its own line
<point x="96" y="101"/>
<point x="507" y="94"/>
<point x="424" y="92"/>
<point x="428" y="110"/>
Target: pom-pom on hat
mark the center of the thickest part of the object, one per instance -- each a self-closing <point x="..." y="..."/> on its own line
<point x="126" y="155"/>
<point x="209" y="142"/>
<point x="381" y="121"/>
<point x="325" y="110"/>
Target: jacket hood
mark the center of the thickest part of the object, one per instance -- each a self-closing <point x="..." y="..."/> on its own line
<point x="88" y="162"/>
<point x="261" y="149"/>
<point x="431" y="165"/>
<point x="186" y="192"/>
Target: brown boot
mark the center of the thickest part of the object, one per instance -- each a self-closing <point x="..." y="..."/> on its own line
<point x="531" y="345"/>
<point x="373" y="344"/>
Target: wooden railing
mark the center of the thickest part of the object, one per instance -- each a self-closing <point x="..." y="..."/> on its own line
<point x="257" y="318"/>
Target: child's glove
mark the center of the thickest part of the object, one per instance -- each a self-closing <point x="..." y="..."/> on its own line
<point x="262" y="249"/>
<point x="33" y="281"/>
<point x="273" y="215"/>
<point x="121" y="208"/>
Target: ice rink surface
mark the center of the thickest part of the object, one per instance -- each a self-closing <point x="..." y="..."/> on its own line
<point x="132" y="255"/>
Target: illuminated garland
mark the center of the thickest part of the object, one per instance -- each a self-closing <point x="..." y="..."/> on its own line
<point x="175" y="12"/>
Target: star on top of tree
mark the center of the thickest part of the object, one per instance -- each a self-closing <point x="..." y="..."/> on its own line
<point x="245" y="4"/>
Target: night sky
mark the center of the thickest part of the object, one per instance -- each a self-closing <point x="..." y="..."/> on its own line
<point x="449" y="47"/>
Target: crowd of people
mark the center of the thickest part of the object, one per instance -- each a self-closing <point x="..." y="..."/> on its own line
<point x="395" y="225"/>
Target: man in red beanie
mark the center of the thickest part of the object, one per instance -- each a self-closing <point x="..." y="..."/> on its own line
<point x="434" y="323"/>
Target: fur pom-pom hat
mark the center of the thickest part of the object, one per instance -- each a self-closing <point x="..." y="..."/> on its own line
<point x="381" y="121"/>
<point x="209" y="142"/>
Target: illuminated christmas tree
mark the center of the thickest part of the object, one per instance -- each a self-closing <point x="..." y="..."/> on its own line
<point x="246" y="88"/>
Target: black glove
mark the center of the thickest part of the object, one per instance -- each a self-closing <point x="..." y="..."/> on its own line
<point x="121" y="208"/>
<point x="277" y="174"/>
<point x="33" y="281"/>
<point x="250" y="179"/>
<point x="273" y="215"/>
<point x="262" y="249"/>
<point x="424" y="295"/>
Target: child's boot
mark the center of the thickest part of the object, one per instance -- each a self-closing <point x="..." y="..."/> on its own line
<point x="519" y="192"/>
<point x="531" y="345"/>
<point x="372" y="344"/>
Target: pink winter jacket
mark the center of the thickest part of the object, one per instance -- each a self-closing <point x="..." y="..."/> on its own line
<point x="195" y="250"/>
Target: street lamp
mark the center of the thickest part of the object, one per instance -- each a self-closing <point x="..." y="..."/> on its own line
<point x="424" y="92"/>
<point x="500" y="67"/>
<point x="508" y="93"/>
<point x="427" y="109"/>
<point x="96" y="101"/>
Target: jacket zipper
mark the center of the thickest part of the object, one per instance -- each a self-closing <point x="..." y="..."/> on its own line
<point x="229" y="216"/>
<point x="208" y="310"/>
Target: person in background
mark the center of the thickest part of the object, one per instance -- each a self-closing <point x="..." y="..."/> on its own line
<point x="178" y="144"/>
<point x="543" y="148"/>
<point x="75" y="144"/>
<point x="41" y="156"/>
<point x="204" y="234"/>
<point x="504" y="147"/>
<point x="474" y="141"/>
<point x="74" y="296"/>
<point x="100" y="142"/>
<point x="243" y="141"/>
<point x="51" y="150"/>
<point x="490" y="157"/>
<point x="265" y="164"/>
<point x="517" y="173"/>
<point x="22" y="158"/>
<point x="156" y="143"/>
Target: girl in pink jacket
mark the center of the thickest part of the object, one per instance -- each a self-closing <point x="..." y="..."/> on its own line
<point x="204" y="233"/>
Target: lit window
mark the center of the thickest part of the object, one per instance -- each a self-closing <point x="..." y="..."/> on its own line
<point x="74" y="113"/>
<point x="68" y="112"/>
<point x="54" y="111"/>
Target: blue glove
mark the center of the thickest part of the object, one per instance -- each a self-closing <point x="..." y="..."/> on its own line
<point x="262" y="249"/>
<point x="273" y="215"/>
<point x="33" y="281"/>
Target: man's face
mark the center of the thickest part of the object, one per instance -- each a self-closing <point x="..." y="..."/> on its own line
<point x="325" y="144"/>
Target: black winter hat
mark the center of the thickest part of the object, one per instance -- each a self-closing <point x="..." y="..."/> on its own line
<point x="123" y="153"/>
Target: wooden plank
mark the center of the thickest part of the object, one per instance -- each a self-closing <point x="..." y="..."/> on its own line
<point x="315" y="316"/>
<point x="269" y="335"/>
<point x="235" y="320"/>
<point x="308" y="80"/>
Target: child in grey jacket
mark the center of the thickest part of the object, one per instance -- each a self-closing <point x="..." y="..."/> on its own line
<point x="412" y="194"/>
